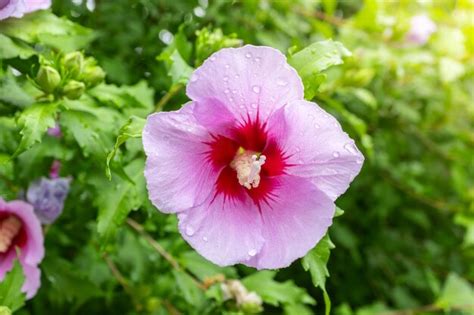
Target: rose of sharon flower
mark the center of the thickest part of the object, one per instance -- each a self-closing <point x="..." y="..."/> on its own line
<point x="250" y="167"/>
<point x="17" y="8"/>
<point x="421" y="29"/>
<point x="47" y="197"/>
<point x="20" y="228"/>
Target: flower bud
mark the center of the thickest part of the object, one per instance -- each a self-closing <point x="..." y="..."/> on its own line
<point x="74" y="89"/>
<point x="5" y="310"/>
<point x="47" y="197"/>
<point x="48" y="78"/>
<point x="73" y="63"/>
<point x="93" y="75"/>
<point x="252" y="303"/>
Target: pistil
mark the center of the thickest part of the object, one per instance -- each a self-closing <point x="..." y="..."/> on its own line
<point x="248" y="165"/>
<point x="9" y="229"/>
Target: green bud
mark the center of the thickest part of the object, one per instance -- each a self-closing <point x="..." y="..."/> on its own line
<point x="48" y="78"/>
<point x="93" y="75"/>
<point x="74" y="89"/>
<point x="73" y="63"/>
<point x="5" y="310"/>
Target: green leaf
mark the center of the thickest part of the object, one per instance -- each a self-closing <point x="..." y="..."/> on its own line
<point x="10" y="288"/>
<point x="118" y="198"/>
<point x="276" y="293"/>
<point x="11" y="48"/>
<point x="456" y="293"/>
<point x="46" y="28"/>
<point x="316" y="263"/>
<point x="202" y="268"/>
<point x="188" y="288"/>
<point x="312" y="60"/>
<point x="132" y="129"/>
<point x="12" y="93"/>
<point x="34" y="121"/>
<point x="68" y="284"/>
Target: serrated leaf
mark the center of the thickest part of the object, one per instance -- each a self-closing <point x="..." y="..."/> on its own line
<point x="276" y="293"/>
<point x="316" y="263"/>
<point x="132" y="129"/>
<point x="12" y="93"/>
<point x="10" y="288"/>
<point x="46" y="28"/>
<point x="34" y="121"/>
<point x="188" y="288"/>
<point x="10" y="48"/>
<point x="312" y="60"/>
<point x="456" y="293"/>
<point x="119" y="197"/>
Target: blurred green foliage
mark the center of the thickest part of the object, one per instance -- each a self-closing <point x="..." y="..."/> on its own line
<point x="406" y="240"/>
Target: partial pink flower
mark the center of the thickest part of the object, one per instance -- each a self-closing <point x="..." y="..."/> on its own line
<point x="17" y="8"/>
<point x="421" y="29"/>
<point x="20" y="229"/>
<point x="250" y="167"/>
<point x="55" y="131"/>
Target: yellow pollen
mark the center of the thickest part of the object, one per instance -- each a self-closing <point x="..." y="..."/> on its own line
<point x="248" y="165"/>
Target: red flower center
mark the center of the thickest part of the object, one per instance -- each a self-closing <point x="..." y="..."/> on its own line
<point x="246" y="141"/>
<point x="12" y="233"/>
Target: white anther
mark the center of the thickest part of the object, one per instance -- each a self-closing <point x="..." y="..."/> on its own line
<point x="248" y="166"/>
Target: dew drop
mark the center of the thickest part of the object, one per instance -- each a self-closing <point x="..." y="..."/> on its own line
<point x="227" y="66"/>
<point x="350" y="147"/>
<point x="298" y="149"/>
<point x="189" y="231"/>
<point x="241" y="106"/>
<point x="194" y="77"/>
<point x="281" y="82"/>
<point x="204" y="238"/>
<point x="252" y="252"/>
<point x="231" y="99"/>
<point x="300" y="161"/>
<point x="254" y="105"/>
<point x="226" y="78"/>
<point x="248" y="55"/>
<point x="256" y="89"/>
<point x="237" y="76"/>
<point x="359" y="161"/>
<point x="226" y="91"/>
<point x="257" y="59"/>
<point x="336" y="154"/>
<point x="317" y="126"/>
<point x="213" y="58"/>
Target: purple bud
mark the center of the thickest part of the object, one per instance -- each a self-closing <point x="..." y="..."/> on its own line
<point x="55" y="131"/>
<point x="47" y="197"/>
<point x="54" y="170"/>
<point x="421" y="29"/>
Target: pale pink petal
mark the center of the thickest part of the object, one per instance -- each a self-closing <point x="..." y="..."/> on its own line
<point x="33" y="5"/>
<point x="32" y="280"/>
<point x="178" y="173"/>
<point x="224" y="231"/>
<point x="295" y="218"/>
<point x="6" y="263"/>
<point x="33" y="251"/>
<point x="12" y="8"/>
<point x="316" y="146"/>
<point x="246" y="80"/>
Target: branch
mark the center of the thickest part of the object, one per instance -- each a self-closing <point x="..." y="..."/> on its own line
<point x="164" y="100"/>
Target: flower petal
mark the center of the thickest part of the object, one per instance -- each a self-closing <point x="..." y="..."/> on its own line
<point x="293" y="221"/>
<point x="178" y="173"/>
<point x="246" y="80"/>
<point x="32" y="280"/>
<point x="224" y="230"/>
<point x="316" y="147"/>
<point x="33" y="251"/>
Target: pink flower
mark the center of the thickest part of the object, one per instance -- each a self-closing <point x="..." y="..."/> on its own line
<point x="55" y="131"/>
<point x="17" y="8"/>
<point x="421" y="29"/>
<point x="20" y="228"/>
<point x="250" y="167"/>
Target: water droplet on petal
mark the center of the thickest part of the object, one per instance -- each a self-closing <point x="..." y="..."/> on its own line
<point x="204" y="238"/>
<point x="257" y="59"/>
<point x="359" y="161"/>
<point x="281" y="82"/>
<point x="237" y="76"/>
<point x="317" y="126"/>
<point x="254" y="105"/>
<point x="226" y="78"/>
<point x="252" y="252"/>
<point x="234" y="91"/>
<point x="248" y="55"/>
<point x="213" y="58"/>
<point x="226" y="91"/>
<point x="350" y="147"/>
<point x="298" y="149"/>
<point x="189" y="231"/>
<point x="300" y="161"/>
<point x="194" y="77"/>
<point x="336" y="154"/>
<point x="256" y="89"/>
